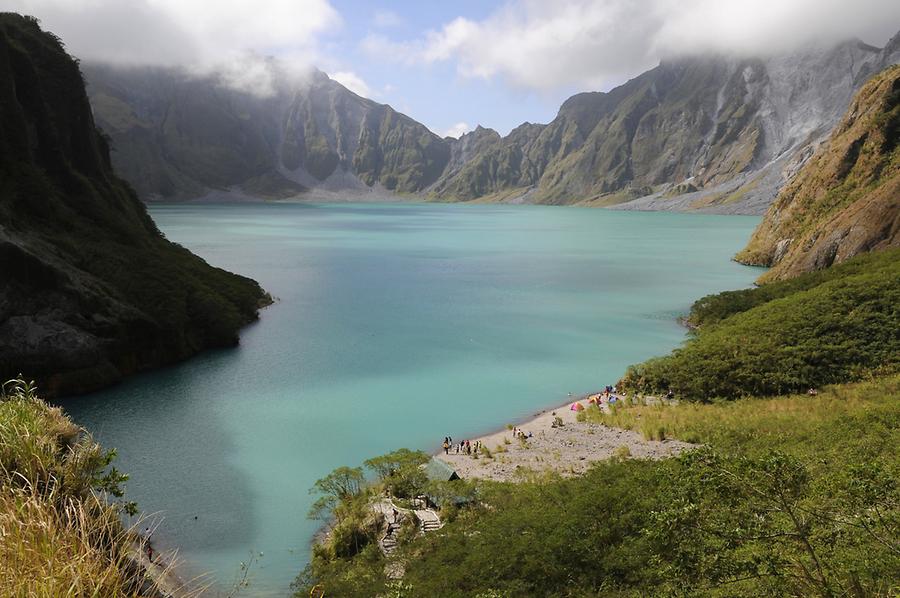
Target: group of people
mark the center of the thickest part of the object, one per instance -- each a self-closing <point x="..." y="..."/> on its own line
<point x="464" y="447"/>
<point x="520" y="434"/>
<point x="608" y="395"/>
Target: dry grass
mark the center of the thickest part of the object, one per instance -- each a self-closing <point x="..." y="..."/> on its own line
<point x="795" y="421"/>
<point x="54" y="546"/>
<point x="59" y="535"/>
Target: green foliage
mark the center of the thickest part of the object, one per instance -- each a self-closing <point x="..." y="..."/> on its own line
<point x="341" y="485"/>
<point x="712" y="309"/>
<point x="400" y="472"/>
<point x="353" y="533"/>
<point x="821" y="328"/>
<point x="361" y="576"/>
<point x="43" y="451"/>
<point x="794" y="495"/>
<point x="763" y="519"/>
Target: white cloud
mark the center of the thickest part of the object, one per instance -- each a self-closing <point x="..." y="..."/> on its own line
<point x="588" y="43"/>
<point x="457" y="130"/>
<point x="385" y="19"/>
<point x="224" y="36"/>
<point x="353" y="82"/>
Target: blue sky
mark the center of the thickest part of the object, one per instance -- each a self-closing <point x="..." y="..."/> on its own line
<point x="451" y="65"/>
<point x="436" y="95"/>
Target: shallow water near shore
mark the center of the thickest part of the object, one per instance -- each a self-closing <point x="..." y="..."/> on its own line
<point x="396" y="325"/>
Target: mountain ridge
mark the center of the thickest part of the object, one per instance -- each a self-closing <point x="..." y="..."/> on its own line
<point x="713" y="133"/>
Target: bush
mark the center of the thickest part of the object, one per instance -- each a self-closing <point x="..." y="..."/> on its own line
<point x="400" y="472"/>
<point x="821" y="328"/>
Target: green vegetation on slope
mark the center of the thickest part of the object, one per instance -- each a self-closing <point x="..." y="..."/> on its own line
<point x="794" y="495"/>
<point x="91" y="290"/>
<point x="59" y="535"/>
<point x="846" y="199"/>
<point x="825" y="327"/>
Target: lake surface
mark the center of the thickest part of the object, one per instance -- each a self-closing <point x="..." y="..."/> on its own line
<point x="396" y="325"/>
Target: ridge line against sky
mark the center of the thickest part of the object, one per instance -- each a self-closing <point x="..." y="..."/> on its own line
<point x="453" y="65"/>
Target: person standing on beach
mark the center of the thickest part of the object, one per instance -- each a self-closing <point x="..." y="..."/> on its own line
<point x="446" y="446"/>
<point x="146" y="535"/>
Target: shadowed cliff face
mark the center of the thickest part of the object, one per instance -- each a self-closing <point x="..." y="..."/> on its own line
<point x="846" y="199"/>
<point x="712" y="133"/>
<point x="90" y="290"/>
<point x="179" y="136"/>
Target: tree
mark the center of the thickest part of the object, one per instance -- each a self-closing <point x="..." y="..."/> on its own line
<point x="342" y="484"/>
<point x="765" y="520"/>
<point x="400" y="471"/>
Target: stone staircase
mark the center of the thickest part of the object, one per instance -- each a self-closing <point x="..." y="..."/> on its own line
<point x="429" y="521"/>
<point x="389" y="540"/>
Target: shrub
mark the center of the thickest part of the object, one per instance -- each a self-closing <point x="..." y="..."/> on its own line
<point x="821" y="328"/>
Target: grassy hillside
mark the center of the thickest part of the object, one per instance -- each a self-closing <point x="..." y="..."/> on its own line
<point x="91" y="290"/>
<point x="60" y="535"/>
<point x="820" y="328"/>
<point x="846" y="199"/>
<point x="794" y="495"/>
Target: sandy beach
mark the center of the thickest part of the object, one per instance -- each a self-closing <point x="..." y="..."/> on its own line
<point x="568" y="449"/>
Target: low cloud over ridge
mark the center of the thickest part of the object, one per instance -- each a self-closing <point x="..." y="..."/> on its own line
<point x="587" y="44"/>
<point x="226" y="37"/>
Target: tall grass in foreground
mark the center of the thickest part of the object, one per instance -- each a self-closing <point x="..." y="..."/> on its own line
<point x="55" y="546"/>
<point x="60" y="532"/>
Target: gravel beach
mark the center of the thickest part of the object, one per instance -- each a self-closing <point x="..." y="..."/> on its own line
<point x="568" y="449"/>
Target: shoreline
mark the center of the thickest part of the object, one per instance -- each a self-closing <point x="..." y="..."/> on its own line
<point x="566" y="447"/>
<point x="521" y="421"/>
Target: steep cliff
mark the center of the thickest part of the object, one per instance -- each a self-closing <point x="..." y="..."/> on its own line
<point x="181" y="136"/>
<point x="846" y="199"/>
<point x="716" y="133"/>
<point x="90" y="290"/>
<point x="713" y="133"/>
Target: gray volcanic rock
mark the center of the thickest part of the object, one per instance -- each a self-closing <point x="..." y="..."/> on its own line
<point x="708" y="133"/>
<point x="846" y="199"/>
<point x="714" y="134"/>
<point x="180" y="136"/>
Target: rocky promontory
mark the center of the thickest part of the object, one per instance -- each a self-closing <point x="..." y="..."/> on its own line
<point x="90" y="290"/>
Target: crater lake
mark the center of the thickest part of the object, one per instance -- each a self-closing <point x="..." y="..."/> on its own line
<point x="395" y="325"/>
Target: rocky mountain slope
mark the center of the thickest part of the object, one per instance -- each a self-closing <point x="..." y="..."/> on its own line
<point x="711" y="133"/>
<point x="180" y="136"/>
<point x="90" y="290"/>
<point x="846" y="199"/>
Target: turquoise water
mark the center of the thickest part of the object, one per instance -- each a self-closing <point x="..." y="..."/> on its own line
<point x="396" y="325"/>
